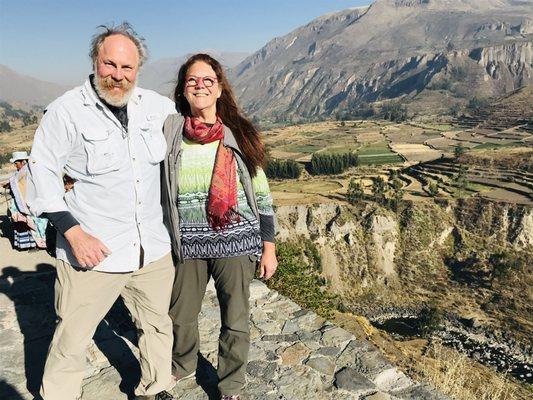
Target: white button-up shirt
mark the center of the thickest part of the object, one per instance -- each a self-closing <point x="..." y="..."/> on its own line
<point x="116" y="197"/>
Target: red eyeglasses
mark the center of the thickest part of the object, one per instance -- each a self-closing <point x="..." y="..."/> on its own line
<point x="193" y="81"/>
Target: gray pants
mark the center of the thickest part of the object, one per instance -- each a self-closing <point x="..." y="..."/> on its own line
<point x="83" y="298"/>
<point x="232" y="277"/>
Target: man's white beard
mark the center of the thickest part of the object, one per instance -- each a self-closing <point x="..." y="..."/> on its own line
<point x="102" y="86"/>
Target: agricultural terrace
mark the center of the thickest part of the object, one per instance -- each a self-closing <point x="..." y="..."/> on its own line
<point x="421" y="152"/>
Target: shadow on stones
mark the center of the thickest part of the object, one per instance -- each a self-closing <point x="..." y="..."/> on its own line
<point x="8" y="392"/>
<point x="206" y="378"/>
<point x="115" y="326"/>
<point x="33" y="300"/>
<point x="32" y="294"/>
<point x="6" y="228"/>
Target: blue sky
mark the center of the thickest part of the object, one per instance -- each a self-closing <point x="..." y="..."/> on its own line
<point x="49" y="40"/>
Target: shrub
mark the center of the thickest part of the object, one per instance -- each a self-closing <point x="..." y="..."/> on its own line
<point x="5" y="127"/>
<point x="299" y="281"/>
<point x="458" y="73"/>
<point x="430" y="320"/>
<point x="477" y="103"/>
<point x="433" y="189"/>
<point x="355" y="191"/>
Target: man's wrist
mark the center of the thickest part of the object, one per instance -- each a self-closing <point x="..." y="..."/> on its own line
<point x="71" y="232"/>
<point x="61" y="220"/>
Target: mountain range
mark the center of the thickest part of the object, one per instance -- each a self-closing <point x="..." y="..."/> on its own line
<point x="430" y="52"/>
<point x="158" y="75"/>
<point x="17" y="88"/>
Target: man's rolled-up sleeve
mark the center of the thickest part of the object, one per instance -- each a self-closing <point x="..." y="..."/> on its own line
<point x="52" y="145"/>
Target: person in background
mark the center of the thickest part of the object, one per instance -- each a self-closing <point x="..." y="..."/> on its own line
<point x="218" y="209"/>
<point x="29" y="232"/>
<point x="106" y="136"/>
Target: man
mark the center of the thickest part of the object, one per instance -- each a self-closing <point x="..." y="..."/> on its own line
<point x="107" y="136"/>
<point x="29" y="231"/>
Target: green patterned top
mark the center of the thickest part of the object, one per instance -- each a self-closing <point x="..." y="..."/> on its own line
<point x="199" y="240"/>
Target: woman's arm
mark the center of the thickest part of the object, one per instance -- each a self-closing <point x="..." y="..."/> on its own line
<point x="269" y="262"/>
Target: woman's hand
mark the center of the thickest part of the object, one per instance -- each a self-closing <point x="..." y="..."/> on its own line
<point x="269" y="262"/>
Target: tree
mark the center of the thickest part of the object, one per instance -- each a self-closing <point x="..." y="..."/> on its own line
<point x="283" y="169"/>
<point x="332" y="163"/>
<point x="379" y="187"/>
<point x="394" y="111"/>
<point x="459" y="150"/>
<point x="5" y="126"/>
<point x="461" y="179"/>
<point x="397" y="193"/>
<point x="355" y="191"/>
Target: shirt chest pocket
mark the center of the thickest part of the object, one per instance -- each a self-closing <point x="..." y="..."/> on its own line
<point x="103" y="151"/>
<point x="152" y="136"/>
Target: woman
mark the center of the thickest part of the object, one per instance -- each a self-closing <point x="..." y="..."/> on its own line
<point x="29" y="232"/>
<point x="218" y="210"/>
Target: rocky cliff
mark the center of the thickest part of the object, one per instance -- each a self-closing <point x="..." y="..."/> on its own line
<point x="391" y="49"/>
<point x="473" y="250"/>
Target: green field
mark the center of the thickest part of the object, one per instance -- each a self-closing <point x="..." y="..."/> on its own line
<point x="380" y="159"/>
<point x="377" y="154"/>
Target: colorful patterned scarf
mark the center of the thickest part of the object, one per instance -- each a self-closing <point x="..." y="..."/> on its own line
<point x="222" y="198"/>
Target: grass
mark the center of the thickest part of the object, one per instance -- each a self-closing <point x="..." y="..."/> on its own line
<point x="377" y="154"/>
<point x="301" y="148"/>
<point x="374" y="148"/>
<point x="490" y="146"/>
<point x="456" y="375"/>
<point x="341" y="149"/>
<point x="298" y="277"/>
<point x="305" y="186"/>
<point x="310" y="133"/>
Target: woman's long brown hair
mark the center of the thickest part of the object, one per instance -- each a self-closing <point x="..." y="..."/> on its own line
<point x="247" y="136"/>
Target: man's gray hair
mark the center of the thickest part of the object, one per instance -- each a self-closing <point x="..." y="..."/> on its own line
<point x="124" y="29"/>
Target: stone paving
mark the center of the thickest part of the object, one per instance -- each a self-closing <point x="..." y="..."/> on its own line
<point x="294" y="354"/>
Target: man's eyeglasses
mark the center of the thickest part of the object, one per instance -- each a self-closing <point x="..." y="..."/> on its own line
<point x="193" y="81"/>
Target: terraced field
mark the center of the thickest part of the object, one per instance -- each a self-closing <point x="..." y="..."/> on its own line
<point x="378" y="154"/>
<point x="496" y="183"/>
<point x="421" y="152"/>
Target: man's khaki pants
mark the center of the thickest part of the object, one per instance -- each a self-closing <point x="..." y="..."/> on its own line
<point x="83" y="298"/>
<point x="232" y="276"/>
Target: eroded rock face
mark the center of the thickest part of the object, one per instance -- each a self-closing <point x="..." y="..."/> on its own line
<point x="390" y="49"/>
<point x="363" y="247"/>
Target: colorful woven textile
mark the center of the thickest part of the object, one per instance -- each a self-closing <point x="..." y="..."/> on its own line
<point x="198" y="238"/>
<point x="29" y="231"/>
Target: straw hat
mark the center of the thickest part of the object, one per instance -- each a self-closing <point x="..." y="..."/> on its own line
<point x="19" y="155"/>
